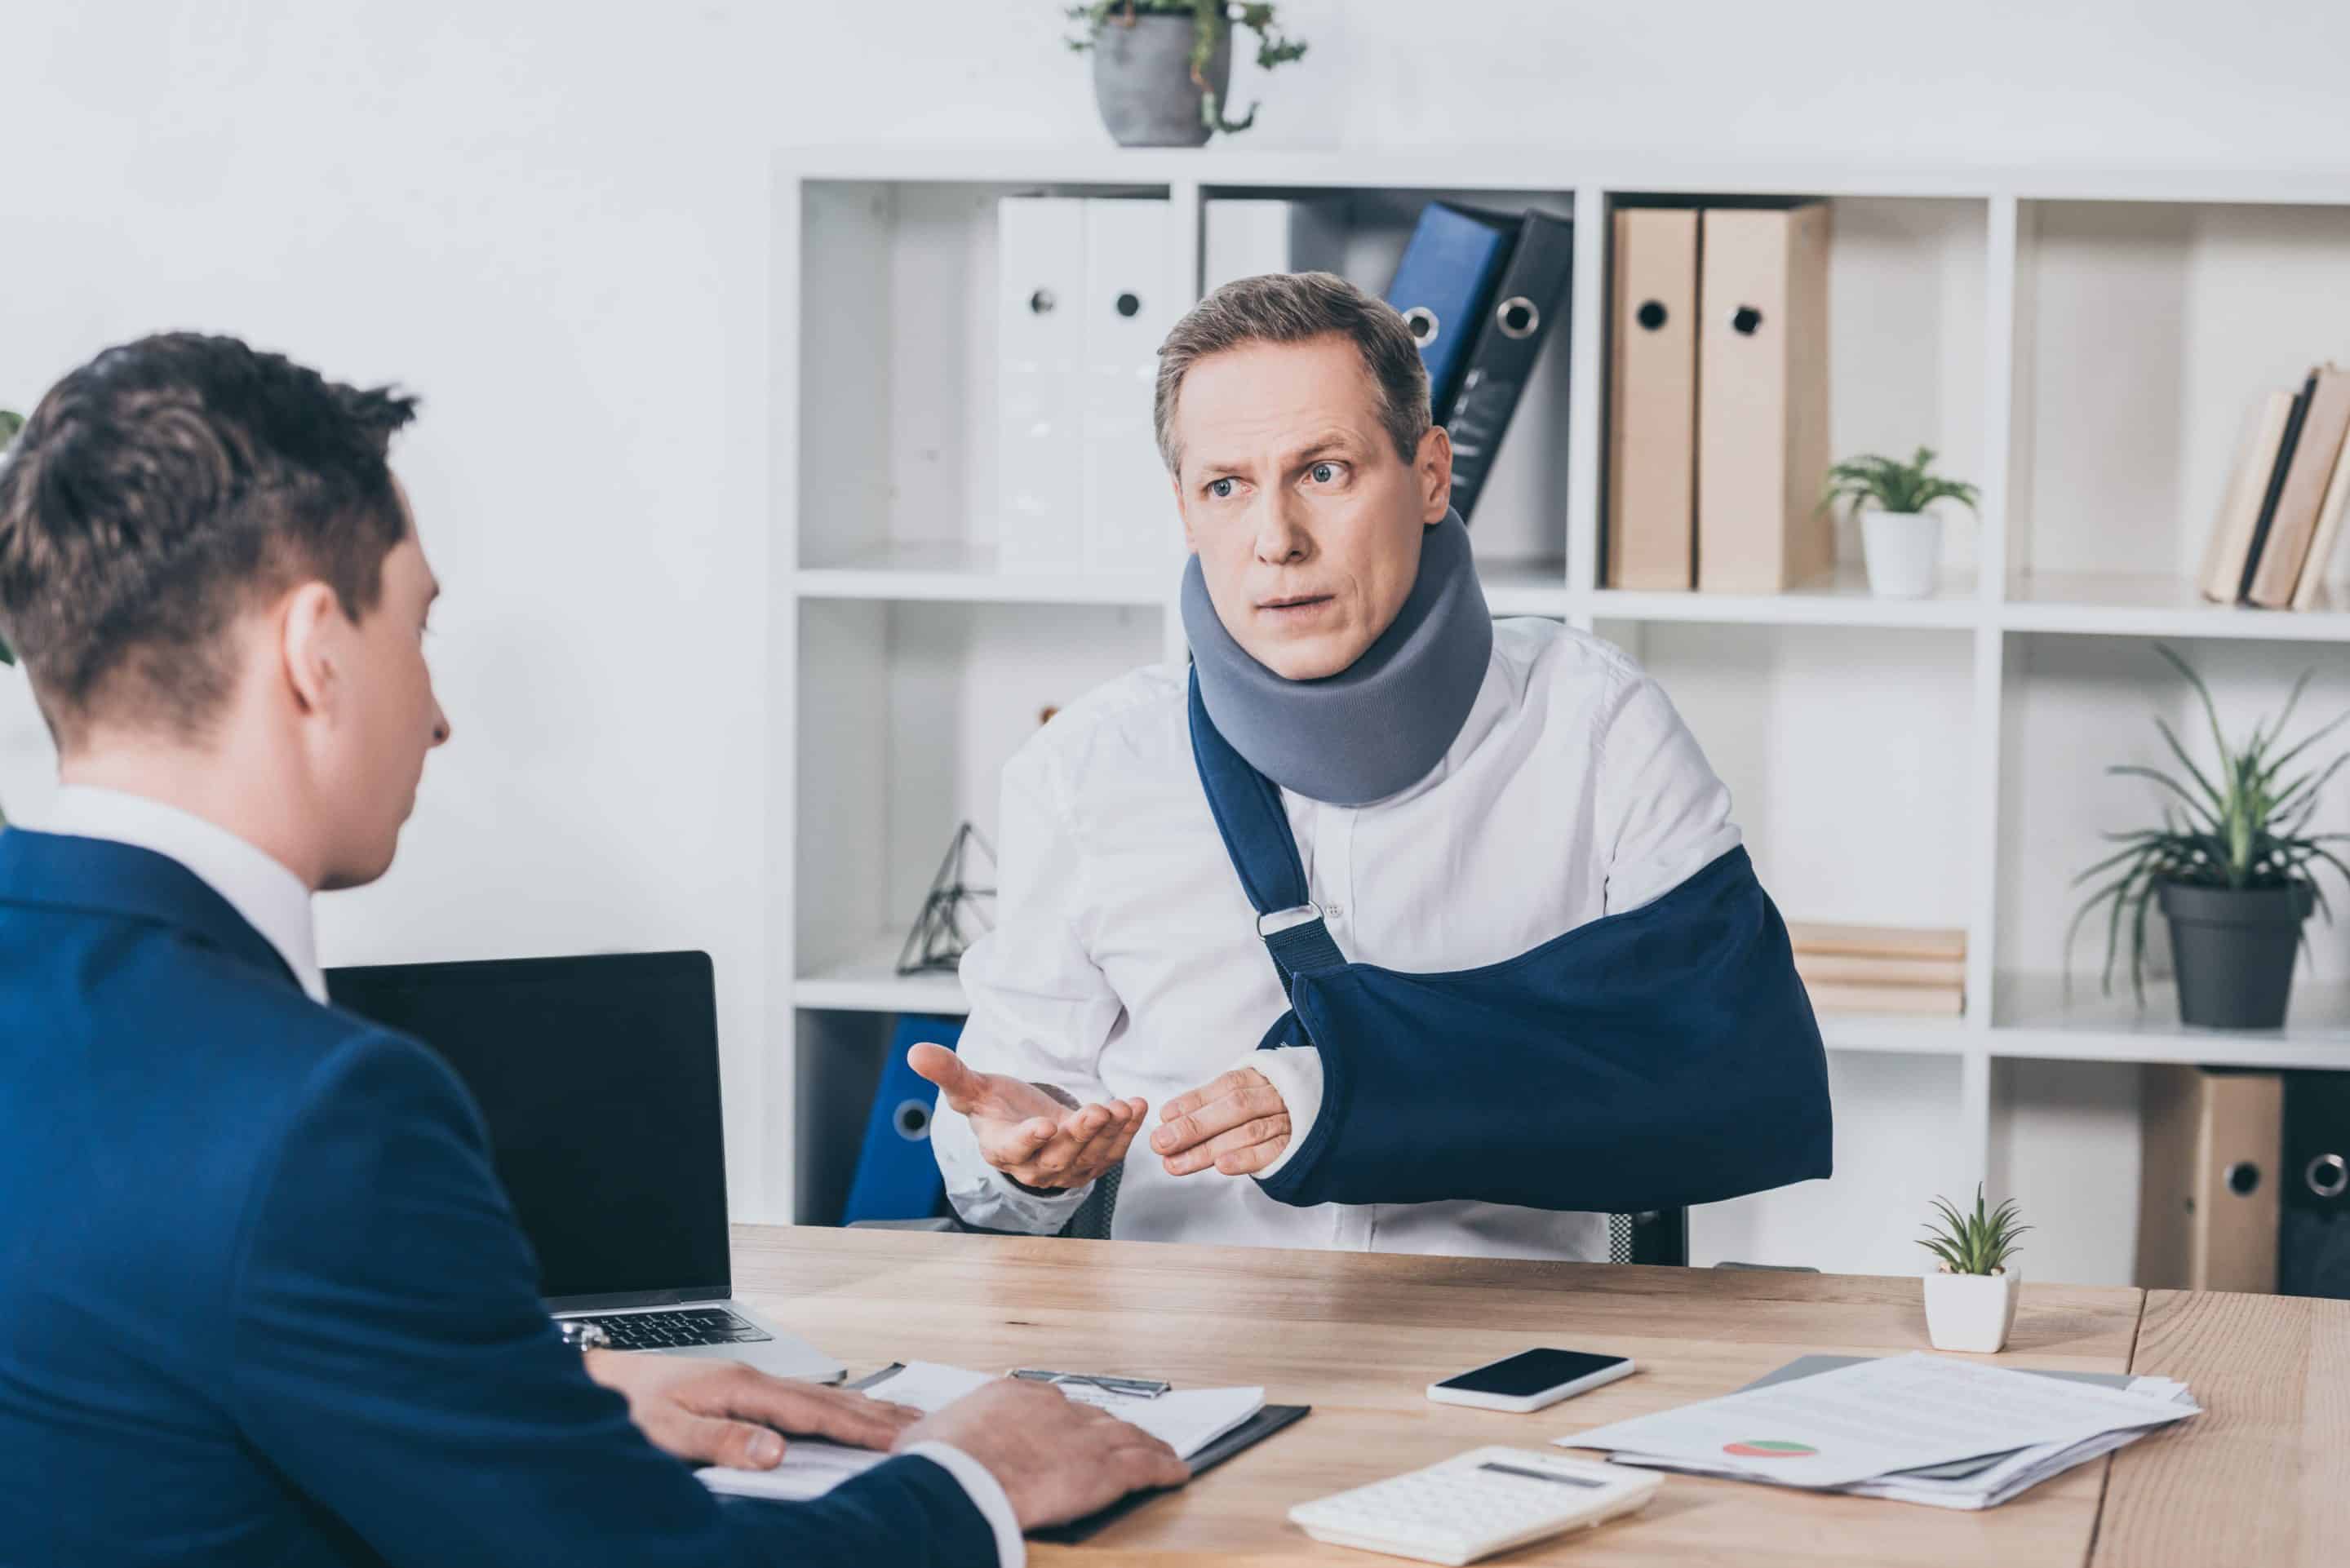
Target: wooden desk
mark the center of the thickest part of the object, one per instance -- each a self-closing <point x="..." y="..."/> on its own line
<point x="2263" y="1474"/>
<point x="1360" y="1337"/>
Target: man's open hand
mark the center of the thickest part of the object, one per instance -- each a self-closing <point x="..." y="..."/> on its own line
<point x="724" y="1413"/>
<point x="1025" y="1133"/>
<point x="1237" y="1125"/>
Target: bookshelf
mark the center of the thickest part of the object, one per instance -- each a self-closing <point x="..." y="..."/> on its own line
<point x="2084" y="343"/>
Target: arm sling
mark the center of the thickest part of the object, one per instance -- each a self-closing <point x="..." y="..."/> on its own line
<point x="1652" y="1059"/>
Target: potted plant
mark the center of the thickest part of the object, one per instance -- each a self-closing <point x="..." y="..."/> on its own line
<point x="1971" y="1295"/>
<point x="2232" y="866"/>
<point x="1900" y="539"/>
<point x="1162" y="67"/>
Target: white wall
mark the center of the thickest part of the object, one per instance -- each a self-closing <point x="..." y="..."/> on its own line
<point x="551" y="220"/>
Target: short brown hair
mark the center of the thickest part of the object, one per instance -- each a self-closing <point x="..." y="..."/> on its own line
<point x="156" y="491"/>
<point x="1296" y="308"/>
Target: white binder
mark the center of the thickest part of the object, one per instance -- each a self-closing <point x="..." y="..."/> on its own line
<point x="1040" y="353"/>
<point x="1136" y="290"/>
<point x="1246" y="236"/>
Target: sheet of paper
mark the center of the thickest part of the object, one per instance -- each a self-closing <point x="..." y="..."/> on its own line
<point x="810" y="1468"/>
<point x="1186" y="1420"/>
<point x="1866" y="1420"/>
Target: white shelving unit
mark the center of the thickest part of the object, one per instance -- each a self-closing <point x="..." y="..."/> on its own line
<point x="2083" y="345"/>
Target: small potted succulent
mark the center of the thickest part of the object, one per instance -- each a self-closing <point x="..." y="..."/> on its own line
<point x="1163" y="67"/>
<point x="1902" y="540"/>
<point x="2232" y="866"/>
<point x="1971" y="1295"/>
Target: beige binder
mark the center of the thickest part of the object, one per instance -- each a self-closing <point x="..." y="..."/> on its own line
<point x="1652" y="402"/>
<point x="2212" y="1145"/>
<point x="2299" y="503"/>
<point x="1762" y="399"/>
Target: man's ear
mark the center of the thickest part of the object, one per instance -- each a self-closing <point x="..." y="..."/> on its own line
<point x="307" y="620"/>
<point x="1434" y="466"/>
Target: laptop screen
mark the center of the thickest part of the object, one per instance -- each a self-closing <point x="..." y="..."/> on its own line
<point x="597" y="1078"/>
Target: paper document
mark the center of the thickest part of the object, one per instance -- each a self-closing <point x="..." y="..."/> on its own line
<point x="1866" y="1421"/>
<point x="1186" y="1420"/>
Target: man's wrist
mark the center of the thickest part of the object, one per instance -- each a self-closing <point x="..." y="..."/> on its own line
<point x="987" y="1494"/>
<point x="1019" y="1185"/>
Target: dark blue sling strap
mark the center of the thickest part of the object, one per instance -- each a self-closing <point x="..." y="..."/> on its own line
<point x="1655" y="1058"/>
<point x="1248" y="812"/>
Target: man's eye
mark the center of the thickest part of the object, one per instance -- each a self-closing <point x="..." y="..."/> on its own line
<point x="1324" y="473"/>
<point x="1221" y="489"/>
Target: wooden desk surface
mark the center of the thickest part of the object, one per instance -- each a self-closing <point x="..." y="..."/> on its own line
<point x="1359" y="1337"/>
<point x="2263" y="1474"/>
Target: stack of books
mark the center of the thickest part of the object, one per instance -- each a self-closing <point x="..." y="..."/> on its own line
<point x="1881" y="969"/>
<point x="2282" y="514"/>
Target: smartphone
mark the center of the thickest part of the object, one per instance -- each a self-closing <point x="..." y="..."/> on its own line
<point x="1531" y="1380"/>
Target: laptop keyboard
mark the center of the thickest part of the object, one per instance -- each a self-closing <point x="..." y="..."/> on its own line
<point x="676" y="1330"/>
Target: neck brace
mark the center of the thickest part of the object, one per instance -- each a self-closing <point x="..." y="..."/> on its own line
<point x="1381" y="725"/>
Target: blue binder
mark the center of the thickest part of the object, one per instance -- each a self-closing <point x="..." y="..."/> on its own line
<point x="1443" y="286"/>
<point x="896" y="1176"/>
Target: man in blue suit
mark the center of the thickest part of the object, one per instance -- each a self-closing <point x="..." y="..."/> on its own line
<point x="262" y="1299"/>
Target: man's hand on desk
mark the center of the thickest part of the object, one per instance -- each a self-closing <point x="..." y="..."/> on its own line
<point x="1025" y="1132"/>
<point x="1055" y="1459"/>
<point x="724" y="1413"/>
<point x="1237" y="1125"/>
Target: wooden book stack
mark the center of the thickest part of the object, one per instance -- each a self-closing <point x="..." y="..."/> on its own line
<point x="1881" y="969"/>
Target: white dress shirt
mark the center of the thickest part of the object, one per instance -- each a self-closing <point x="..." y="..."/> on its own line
<point x="1125" y="960"/>
<point x="275" y="902"/>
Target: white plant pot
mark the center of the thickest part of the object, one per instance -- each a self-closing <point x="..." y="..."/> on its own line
<point x="1970" y="1311"/>
<point x="1903" y="550"/>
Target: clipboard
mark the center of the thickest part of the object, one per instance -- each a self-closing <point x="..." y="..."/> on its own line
<point x="1245" y="1435"/>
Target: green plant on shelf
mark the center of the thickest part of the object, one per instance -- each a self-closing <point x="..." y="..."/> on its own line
<point x="1210" y="20"/>
<point x="1977" y="1244"/>
<point x="2246" y="830"/>
<point x="1903" y="488"/>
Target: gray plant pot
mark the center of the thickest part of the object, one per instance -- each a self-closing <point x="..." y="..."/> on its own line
<point x="2234" y="950"/>
<point x="1142" y="81"/>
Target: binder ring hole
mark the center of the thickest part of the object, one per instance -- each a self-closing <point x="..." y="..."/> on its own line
<point x="1421" y="323"/>
<point x="2244" y="1179"/>
<point x="1128" y="305"/>
<point x="1517" y="318"/>
<point x="2328" y="1175"/>
<point x="1745" y="320"/>
<point x="1652" y="316"/>
<point x="912" y="1120"/>
<point x="1042" y="302"/>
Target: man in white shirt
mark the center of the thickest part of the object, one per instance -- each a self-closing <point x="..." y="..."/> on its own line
<point x="256" y="1257"/>
<point x="1459" y="792"/>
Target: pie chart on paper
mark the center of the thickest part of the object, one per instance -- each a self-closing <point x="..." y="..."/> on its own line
<point x="1769" y="1448"/>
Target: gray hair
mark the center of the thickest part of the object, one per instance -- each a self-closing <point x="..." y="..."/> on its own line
<point x="1296" y="308"/>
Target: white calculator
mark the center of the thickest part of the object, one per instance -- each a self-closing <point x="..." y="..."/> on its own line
<point x="1477" y="1503"/>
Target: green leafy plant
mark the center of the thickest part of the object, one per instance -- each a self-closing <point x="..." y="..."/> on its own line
<point x="1210" y="20"/>
<point x="1977" y="1244"/>
<point x="1894" y="486"/>
<point x="2245" y="831"/>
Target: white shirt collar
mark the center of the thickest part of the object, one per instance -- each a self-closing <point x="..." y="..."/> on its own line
<point x="271" y="900"/>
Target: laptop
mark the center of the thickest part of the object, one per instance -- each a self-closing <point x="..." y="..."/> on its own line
<point x="597" y="1079"/>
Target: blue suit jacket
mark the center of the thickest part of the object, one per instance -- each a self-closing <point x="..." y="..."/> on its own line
<point x="262" y="1299"/>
